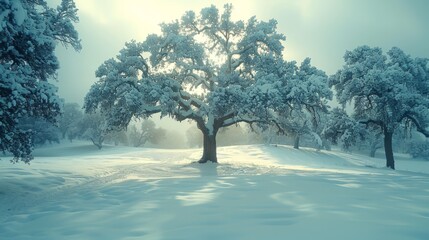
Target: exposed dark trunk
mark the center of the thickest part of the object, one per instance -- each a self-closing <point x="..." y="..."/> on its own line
<point x="326" y="145"/>
<point x="296" y="142"/>
<point x="209" y="148"/>
<point x="98" y="143"/>
<point x="372" y="152"/>
<point x="388" y="149"/>
<point x="374" y="146"/>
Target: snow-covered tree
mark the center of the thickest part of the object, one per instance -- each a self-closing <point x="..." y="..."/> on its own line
<point x="385" y="91"/>
<point x="147" y="132"/>
<point x="29" y="33"/>
<point x="205" y="68"/>
<point x="375" y="142"/>
<point x="193" y="137"/>
<point x="117" y="137"/>
<point x="232" y="135"/>
<point x="92" y="127"/>
<point x="136" y="137"/>
<point x="419" y="148"/>
<point x="309" y="94"/>
<point x="342" y="129"/>
<point x="70" y="117"/>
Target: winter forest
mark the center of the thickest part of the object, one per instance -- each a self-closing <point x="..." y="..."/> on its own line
<point x="206" y="126"/>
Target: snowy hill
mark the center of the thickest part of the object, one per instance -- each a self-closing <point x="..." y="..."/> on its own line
<point x="256" y="192"/>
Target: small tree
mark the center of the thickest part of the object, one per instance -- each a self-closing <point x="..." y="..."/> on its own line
<point x="419" y="148"/>
<point x="136" y="138"/>
<point x="232" y="135"/>
<point x="29" y="33"/>
<point x="375" y="143"/>
<point x="385" y="91"/>
<point x="155" y="134"/>
<point x="70" y="117"/>
<point x="92" y="127"/>
<point x="193" y="137"/>
<point x="116" y="138"/>
<point x="147" y="132"/>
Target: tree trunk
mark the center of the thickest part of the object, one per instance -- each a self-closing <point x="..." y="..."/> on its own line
<point x="209" y="148"/>
<point x="326" y="145"/>
<point x="388" y="149"/>
<point x="374" y="146"/>
<point x="98" y="143"/>
<point x="372" y="152"/>
<point x="296" y="142"/>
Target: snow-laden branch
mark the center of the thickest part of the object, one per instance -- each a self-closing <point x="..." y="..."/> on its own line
<point x="236" y="63"/>
<point x="419" y="126"/>
<point x="199" y="80"/>
<point x="191" y="100"/>
<point x="249" y="120"/>
<point x="371" y="121"/>
<point x="241" y="51"/>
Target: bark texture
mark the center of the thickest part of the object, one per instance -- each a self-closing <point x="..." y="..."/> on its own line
<point x="388" y="149"/>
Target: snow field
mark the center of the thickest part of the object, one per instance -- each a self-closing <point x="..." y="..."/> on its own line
<point x="256" y="192"/>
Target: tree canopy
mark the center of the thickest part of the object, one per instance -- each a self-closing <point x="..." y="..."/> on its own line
<point x="385" y="90"/>
<point x="29" y="33"/>
<point x="207" y="68"/>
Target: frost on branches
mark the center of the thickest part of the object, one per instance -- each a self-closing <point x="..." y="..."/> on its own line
<point x="306" y="102"/>
<point x="343" y="130"/>
<point x="29" y="32"/>
<point x="385" y="91"/>
<point x="206" y="68"/>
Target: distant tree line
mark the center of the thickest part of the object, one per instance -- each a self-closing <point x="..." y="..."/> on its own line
<point x="74" y="124"/>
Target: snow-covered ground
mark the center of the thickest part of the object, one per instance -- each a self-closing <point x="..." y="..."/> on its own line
<point x="256" y="192"/>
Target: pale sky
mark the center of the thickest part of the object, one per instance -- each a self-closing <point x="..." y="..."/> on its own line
<point x="320" y="29"/>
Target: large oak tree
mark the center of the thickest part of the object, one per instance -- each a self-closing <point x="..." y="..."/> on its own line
<point x="206" y="68"/>
<point x="385" y="91"/>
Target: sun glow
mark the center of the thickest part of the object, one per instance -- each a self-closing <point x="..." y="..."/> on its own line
<point x="145" y="16"/>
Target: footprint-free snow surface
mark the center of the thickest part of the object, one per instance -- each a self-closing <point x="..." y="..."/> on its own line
<point x="255" y="192"/>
